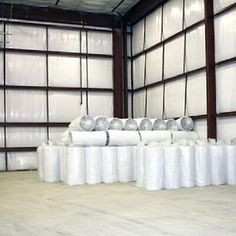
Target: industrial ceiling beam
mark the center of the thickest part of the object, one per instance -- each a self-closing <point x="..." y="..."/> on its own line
<point x="58" y="16"/>
<point x="142" y="9"/>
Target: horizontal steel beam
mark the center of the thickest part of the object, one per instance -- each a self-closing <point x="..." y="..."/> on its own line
<point x="34" y="124"/>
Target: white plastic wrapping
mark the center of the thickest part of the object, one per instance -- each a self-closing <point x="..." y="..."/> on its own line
<point x="19" y="74"/>
<point x="146" y="124"/>
<point x="109" y="165"/>
<point x="194" y="11"/>
<point x="154" y="168"/>
<point x="26" y="37"/>
<point x="172" y="167"/>
<point x="174" y="94"/>
<point x="131" y="125"/>
<point x="225" y="34"/>
<point x="148" y="137"/>
<point x="184" y="135"/>
<point x="87" y="123"/>
<point x="123" y="138"/>
<point x="134" y="150"/>
<point x="55" y="133"/>
<point x="196" y="94"/>
<point x="200" y="127"/>
<point x="231" y="165"/>
<point x="140" y="166"/>
<point x="226" y="87"/>
<point x="188" y="166"/>
<point x="102" y="123"/>
<point x="125" y="164"/>
<point x="40" y="156"/>
<point x="154" y="106"/>
<point x="25" y="136"/>
<point x="203" y="165"/>
<point x="75" y="166"/>
<point x="62" y="159"/>
<point x="172" y="17"/>
<point x="171" y="124"/>
<point x="116" y="124"/>
<point x="185" y="123"/>
<point x="218" y="165"/>
<point x="93" y="165"/>
<point x="51" y="164"/>
<point x="22" y="160"/>
<point x="26" y="106"/>
<point x="195" y="48"/>
<point x="138" y="71"/>
<point x="159" y="124"/>
<point x="98" y="138"/>
<point x="2" y="161"/>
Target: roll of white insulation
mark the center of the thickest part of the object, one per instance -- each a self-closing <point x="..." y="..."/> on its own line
<point x="171" y="124"/>
<point x="187" y="154"/>
<point x="146" y="124"/>
<point x="231" y="164"/>
<point x="130" y="124"/>
<point x="116" y="124"/>
<point x="155" y="136"/>
<point x="40" y="162"/>
<point x="183" y="135"/>
<point x="134" y="150"/>
<point x="218" y="165"/>
<point x="75" y="166"/>
<point x="203" y="165"/>
<point x="159" y="124"/>
<point x="51" y="164"/>
<point x="101" y="123"/>
<point x="185" y="123"/>
<point x="98" y="138"/>
<point x="123" y="138"/>
<point x="93" y="160"/>
<point x="87" y="123"/>
<point x="172" y="167"/>
<point x="125" y="164"/>
<point x="62" y="160"/>
<point x="109" y="165"/>
<point x="154" y="168"/>
<point x="140" y="166"/>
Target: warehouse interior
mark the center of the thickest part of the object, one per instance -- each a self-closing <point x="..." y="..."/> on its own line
<point x="138" y="66"/>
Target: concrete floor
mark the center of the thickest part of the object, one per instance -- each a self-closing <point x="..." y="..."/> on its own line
<point x="29" y="207"/>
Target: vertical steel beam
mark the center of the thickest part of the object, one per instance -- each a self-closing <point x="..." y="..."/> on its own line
<point x="117" y="72"/>
<point x="125" y="70"/>
<point x="210" y="69"/>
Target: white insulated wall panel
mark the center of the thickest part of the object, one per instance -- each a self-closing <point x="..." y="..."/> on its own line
<point x="130" y="105"/>
<point x="25" y="69"/>
<point x="221" y="4"/>
<point x="196" y="94"/>
<point x="22" y="160"/>
<point x="129" y="71"/>
<point x="1" y="67"/>
<point x="65" y="106"/>
<point x="153" y="28"/>
<point x="26" y="136"/>
<point x="1" y="137"/>
<point x="200" y="126"/>
<point x="226" y="128"/>
<point x="225" y="35"/>
<point x="63" y="40"/>
<point x="172" y="17"/>
<point x="26" y="106"/>
<point x="174" y="54"/>
<point x="226" y="87"/>
<point x="138" y="37"/>
<point x="139" y="104"/>
<point x="154" y="66"/>
<point x="129" y="45"/>
<point x="2" y="161"/>
<point x="1" y="105"/>
<point x="1" y="36"/>
<point x="138" y="71"/>
<point x="155" y="102"/>
<point x="174" y="98"/>
<point x="55" y="133"/>
<point x="100" y="104"/>
<point x="195" y="48"/>
<point x="26" y="37"/>
<point x="194" y="11"/>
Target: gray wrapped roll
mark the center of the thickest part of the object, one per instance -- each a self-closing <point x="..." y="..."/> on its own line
<point x="159" y="124"/>
<point x="171" y="124"/>
<point x="116" y="124"/>
<point x="185" y="123"/>
<point x="87" y="123"/>
<point x="131" y="124"/>
<point x="101" y="123"/>
<point x="146" y="124"/>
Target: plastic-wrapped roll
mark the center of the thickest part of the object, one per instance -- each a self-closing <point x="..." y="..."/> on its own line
<point x="116" y="124"/>
<point x="155" y="136"/>
<point x="98" y="138"/>
<point x="101" y="123"/>
<point x="62" y="160"/>
<point x="154" y="168"/>
<point x="51" y="164"/>
<point x="131" y="125"/>
<point x="146" y="124"/>
<point x="125" y="164"/>
<point x="75" y="166"/>
<point x="159" y="124"/>
<point x="185" y="123"/>
<point x="123" y="138"/>
<point x="140" y="166"/>
<point x="231" y="164"/>
<point x="87" y="123"/>
<point x="171" y="124"/>
<point x="187" y="154"/>
<point x="134" y="150"/>
<point x="218" y="165"/>
<point x="109" y="165"/>
<point x="172" y="167"/>
<point x="93" y="161"/>
<point x="203" y="165"/>
<point x="183" y="135"/>
<point x="40" y="162"/>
